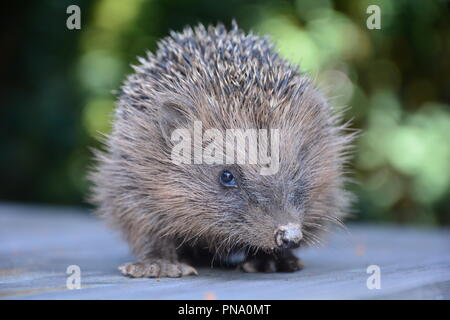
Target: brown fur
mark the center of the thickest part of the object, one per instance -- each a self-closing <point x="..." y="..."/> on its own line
<point x="226" y="79"/>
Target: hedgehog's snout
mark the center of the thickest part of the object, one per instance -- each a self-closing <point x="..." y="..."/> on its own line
<point x="288" y="236"/>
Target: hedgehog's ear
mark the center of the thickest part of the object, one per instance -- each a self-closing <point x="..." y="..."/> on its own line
<point x="172" y="116"/>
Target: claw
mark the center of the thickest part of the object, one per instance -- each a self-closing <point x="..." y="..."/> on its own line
<point x="267" y="263"/>
<point x="157" y="269"/>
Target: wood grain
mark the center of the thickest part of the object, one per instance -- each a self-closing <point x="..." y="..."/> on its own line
<point x="37" y="244"/>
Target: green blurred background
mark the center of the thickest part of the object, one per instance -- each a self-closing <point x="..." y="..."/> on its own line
<point x="56" y="88"/>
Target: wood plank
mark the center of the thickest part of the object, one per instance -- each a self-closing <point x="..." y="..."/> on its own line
<point x="37" y="244"/>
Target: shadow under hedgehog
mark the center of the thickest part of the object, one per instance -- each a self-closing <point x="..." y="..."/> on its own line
<point x="171" y="214"/>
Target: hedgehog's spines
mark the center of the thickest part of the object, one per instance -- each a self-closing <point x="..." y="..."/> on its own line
<point x="227" y="80"/>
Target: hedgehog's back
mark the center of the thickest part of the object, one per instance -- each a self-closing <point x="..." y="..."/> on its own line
<point x="221" y="63"/>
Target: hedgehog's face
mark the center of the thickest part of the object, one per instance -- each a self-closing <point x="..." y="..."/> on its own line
<point x="235" y="205"/>
<point x="263" y="213"/>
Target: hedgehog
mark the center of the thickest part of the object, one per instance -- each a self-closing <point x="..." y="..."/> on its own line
<point x="175" y="215"/>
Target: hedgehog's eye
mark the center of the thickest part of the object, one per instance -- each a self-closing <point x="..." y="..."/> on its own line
<point x="227" y="179"/>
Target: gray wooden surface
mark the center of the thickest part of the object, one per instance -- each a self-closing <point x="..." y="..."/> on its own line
<point x="37" y="244"/>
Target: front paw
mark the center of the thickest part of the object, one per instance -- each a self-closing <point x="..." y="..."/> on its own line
<point x="157" y="269"/>
<point x="272" y="263"/>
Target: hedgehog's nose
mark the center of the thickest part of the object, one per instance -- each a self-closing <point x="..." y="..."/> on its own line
<point x="288" y="236"/>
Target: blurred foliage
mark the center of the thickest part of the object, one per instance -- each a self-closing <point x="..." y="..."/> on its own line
<point x="57" y="88"/>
